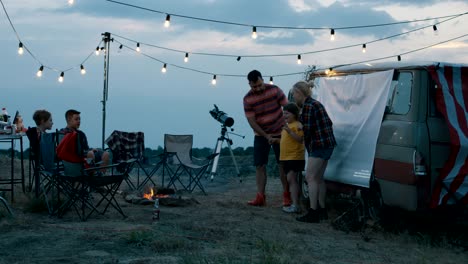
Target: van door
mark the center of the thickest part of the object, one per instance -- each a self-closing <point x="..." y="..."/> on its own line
<point x="397" y="141"/>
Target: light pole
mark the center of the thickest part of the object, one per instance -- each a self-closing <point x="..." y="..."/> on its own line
<point x="105" y="94"/>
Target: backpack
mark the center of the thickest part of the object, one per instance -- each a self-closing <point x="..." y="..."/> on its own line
<point x="69" y="148"/>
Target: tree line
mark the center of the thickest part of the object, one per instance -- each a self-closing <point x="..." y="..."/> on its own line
<point x="196" y="152"/>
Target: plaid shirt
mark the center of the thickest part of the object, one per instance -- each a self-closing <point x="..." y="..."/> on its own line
<point x="318" y="128"/>
<point x="126" y="145"/>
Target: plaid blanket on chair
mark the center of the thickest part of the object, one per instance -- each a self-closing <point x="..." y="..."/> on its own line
<point x="126" y="145"/>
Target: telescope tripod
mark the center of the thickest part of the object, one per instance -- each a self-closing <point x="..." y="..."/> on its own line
<point x="218" y="148"/>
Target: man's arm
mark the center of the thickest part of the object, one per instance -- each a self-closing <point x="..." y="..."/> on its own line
<point x="253" y="123"/>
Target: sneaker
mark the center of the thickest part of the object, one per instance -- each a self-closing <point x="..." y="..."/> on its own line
<point x="286" y="199"/>
<point x="312" y="216"/>
<point x="291" y="209"/>
<point x="260" y="200"/>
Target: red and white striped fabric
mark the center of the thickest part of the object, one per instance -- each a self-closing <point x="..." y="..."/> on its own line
<point x="452" y="101"/>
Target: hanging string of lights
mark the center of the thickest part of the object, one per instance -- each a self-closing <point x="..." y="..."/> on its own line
<point x="254" y="27"/>
<point x="22" y="48"/>
<point x="239" y="56"/>
<point x="328" y="69"/>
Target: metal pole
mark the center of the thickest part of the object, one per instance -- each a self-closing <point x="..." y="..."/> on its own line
<point x="107" y="39"/>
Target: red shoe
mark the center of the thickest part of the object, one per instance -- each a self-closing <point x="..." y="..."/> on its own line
<point x="287" y="199"/>
<point x="260" y="200"/>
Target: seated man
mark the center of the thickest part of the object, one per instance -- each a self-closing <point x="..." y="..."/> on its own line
<point x="94" y="155"/>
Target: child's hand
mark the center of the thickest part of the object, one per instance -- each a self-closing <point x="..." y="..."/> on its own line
<point x="286" y="127"/>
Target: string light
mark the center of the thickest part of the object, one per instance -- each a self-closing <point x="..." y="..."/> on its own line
<point x="254" y="32"/>
<point x="213" y="82"/>
<point x="164" y="68"/>
<point x="20" y="48"/>
<point x="39" y="72"/>
<point x="82" y="70"/>
<point x="399" y="58"/>
<point x="271" y="79"/>
<point x="238" y="58"/>
<point x="332" y="34"/>
<point x="186" y="57"/>
<point x="436" y="32"/>
<point x="71" y="2"/>
<point x="138" y="47"/>
<point x="299" y="61"/>
<point x="62" y="75"/>
<point x="97" y="51"/>
<point x="167" y="23"/>
<point x="364" y="48"/>
<point x="285" y="27"/>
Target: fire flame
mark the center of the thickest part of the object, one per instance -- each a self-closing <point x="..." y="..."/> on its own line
<point x="150" y="195"/>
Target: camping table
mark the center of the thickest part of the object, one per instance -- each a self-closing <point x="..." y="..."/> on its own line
<point x="13" y="180"/>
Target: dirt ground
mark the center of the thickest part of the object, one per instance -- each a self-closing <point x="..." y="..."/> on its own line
<point x="219" y="228"/>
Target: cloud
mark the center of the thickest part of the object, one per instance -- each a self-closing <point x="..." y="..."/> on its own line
<point x="300" y="6"/>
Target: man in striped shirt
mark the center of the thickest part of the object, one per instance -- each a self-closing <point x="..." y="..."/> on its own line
<point x="263" y="109"/>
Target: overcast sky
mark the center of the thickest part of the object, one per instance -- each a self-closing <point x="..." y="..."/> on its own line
<point x="141" y="98"/>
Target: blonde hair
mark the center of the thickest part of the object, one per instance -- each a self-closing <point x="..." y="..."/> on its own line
<point x="304" y="87"/>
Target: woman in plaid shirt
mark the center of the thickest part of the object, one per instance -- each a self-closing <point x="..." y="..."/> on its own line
<point x="319" y="142"/>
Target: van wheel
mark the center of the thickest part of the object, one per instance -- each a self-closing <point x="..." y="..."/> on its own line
<point x="303" y="190"/>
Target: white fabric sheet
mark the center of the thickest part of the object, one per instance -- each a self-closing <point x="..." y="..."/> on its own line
<point x="355" y="104"/>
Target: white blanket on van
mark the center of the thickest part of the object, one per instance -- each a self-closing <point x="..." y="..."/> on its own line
<point x="355" y="104"/>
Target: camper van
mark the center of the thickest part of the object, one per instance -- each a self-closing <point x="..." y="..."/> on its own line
<point x="400" y="136"/>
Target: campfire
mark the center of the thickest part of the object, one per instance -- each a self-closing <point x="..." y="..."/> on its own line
<point x="152" y="195"/>
<point x="166" y="196"/>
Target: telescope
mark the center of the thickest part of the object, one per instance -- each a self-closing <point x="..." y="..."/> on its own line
<point x="222" y="117"/>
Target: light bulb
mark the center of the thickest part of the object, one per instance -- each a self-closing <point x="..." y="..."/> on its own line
<point x="164" y="68"/>
<point x="363" y="48"/>
<point x="186" y="57"/>
<point x="167" y="23"/>
<point x="97" y="51"/>
<point x="271" y="79"/>
<point x="332" y="34"/>
<point x="254" y="32"/>
<point x="238" y="58"/>
<point x="299" y="61"/>
<point x="60" y="79"/>
<point x="138" y="47"/>
<point x="436" y="32"/>
<point x="327" y="71"/>
<point x="399" y="58"/>
<point x="83" y="71"/>
<point x="39" y="72"/>
<point x="71" y="2"/>
<point x="20" y="48"/>
<point x="213" y="82"/>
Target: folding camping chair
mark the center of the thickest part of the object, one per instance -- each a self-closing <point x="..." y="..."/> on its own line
<point x="178" y="153"/>
<point x="80" y="184"/>
<point x="45" y="166"/>
<point x="130" y="147"/>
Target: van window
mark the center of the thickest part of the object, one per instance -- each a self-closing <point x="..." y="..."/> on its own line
<point x="399" y="97"/>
